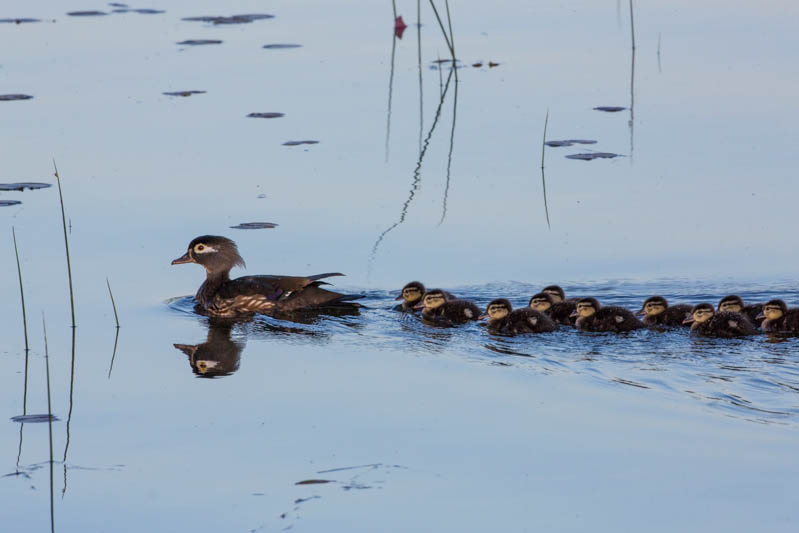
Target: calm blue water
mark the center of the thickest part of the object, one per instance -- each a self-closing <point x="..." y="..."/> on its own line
<point x="412" y="427"/>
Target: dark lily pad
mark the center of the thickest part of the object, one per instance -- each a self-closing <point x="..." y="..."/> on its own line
<point x="148" y="11"/>
<point x="197" y="42"/>
<point x="11" y="97"/>
<point x="233" y="19"/>
<point x="569" y="142"/>
<point x="184" y="93"/>
<point x="255" y="225"/>
<point x="22" y="186"/>
<point x="266" y="115"/>
<point x="610" y="108"/>
<point x="117" y="4"/>
<point x="18" y="21"/>
<point x="87" y="13"/>
<point x="314" y="481"/>
<point x="281" y="46"/>
<point x="34" y="419"/>
<point x="297" y="143"/>
<point x="6" y="203"/>
<point x="592" y="156"/>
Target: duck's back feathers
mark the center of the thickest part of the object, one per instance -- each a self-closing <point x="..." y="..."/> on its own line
<point x="724" y="324"/>
<point x="672" y="316"/>
<point x="787" y="323"/>
<point x="561" y="312"/>
<point x="610" y="318"/>
<point x="523" y="320"/>
<point x="452" y="312"/>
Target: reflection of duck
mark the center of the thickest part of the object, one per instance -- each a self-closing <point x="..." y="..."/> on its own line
<point x="777" y="318"/>
<point x="220" y="296"/>
<point x="593" y="317"/>
<point x="219" y="355"/>
<point x="734" y="304"/>
<point x="438" y="309"/>
<point x="411" y="296"/>
<point x="707" y="322"/>
<point x="560" y="312"/>
<point x="503" y="319"/>
<point x="658" y="312"/>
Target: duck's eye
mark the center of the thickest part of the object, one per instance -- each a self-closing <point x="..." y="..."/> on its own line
<point x="199" y="248"/>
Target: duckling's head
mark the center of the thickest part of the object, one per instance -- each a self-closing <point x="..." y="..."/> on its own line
<point x="731" y="303"/>
<point x="216" y="254"/>
<point x="434" y="299"/>
<point x="556" y="292"/>
<point x="412" y="292"/>
<point x="587" y="307"/>
<point x="700" y="313"/>
<point x="774" y="309"/>
<point x="541" y="301"/>
<point x="654" y="306"/>
<point x="498" y="309"/>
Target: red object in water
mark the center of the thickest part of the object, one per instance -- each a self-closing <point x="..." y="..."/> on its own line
<point x="399" y="27"/>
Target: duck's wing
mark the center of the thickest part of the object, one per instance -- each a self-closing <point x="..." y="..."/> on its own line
<point x="271" y="287"/>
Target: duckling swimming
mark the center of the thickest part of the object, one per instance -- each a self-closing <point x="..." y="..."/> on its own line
<point x="560" y="312"/>
<point x="438" y="309"/>
<point x="592" y="317"/>
<point x="220" y="296"/>
<point x="503" y="319"/>
<point x="725" y="324"/>
<point x="777" y="318"/>
<point x="558" y="294"/>
<point x="657" y="312"/>
<point x="734" y="304"/>
<point x="411" y="296"/>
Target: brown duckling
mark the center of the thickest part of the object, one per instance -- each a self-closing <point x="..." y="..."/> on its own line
<point x="411" y="296"/>
<point x="657" y="312"/>
<point x="560" y="312"/>
<point x="707" y="322"/>
<point x="558" y="294"/>
<point x="592" y="317"/>
<point x="220" y="296"/>
<point x="503" y="319"/>
<point x="777" y="318"/>
<point x="733" y="303"/>
<point x="438" y="309"/>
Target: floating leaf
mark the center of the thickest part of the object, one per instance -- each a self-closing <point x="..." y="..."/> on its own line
<point x="34" y="419"/>
<point x="610" y="108"/>
<point x="279" y="46"/>
<point x="18" y="21"/>
<point x="399" y="27"/>
<point x="593" y="155"/>
<point x="568" y="142"/>
<point x="6" y="203"/>
<point x="296" y="143"/>
<point x="22" y="186"/>
<point x="255" y="225"/>
<point x="234" y="19"/>
<point x="10" y="97"/>
<point x="86" y="13"/>
<point x="266" y="115"/>
<point x="314" y="481"/>
<point x="184" y="93"/>
<point x="196" y="42"/>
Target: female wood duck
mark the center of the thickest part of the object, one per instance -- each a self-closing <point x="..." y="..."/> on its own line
<point x="734" y="304"/>
<point x="657" y="312"/>
<point x="777" y="318"/>
<point x="219" y="355"/>
<point x="436" y="308"/>
<point x="411" y="296"/>
<point x="707" y="322"/>
<point x="560" y="312"/>
<point x="592" y="317"/>
<point x="220" y="296"/>
<point x="503" y="319"/>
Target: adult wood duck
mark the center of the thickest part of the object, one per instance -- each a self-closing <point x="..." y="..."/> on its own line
<point x="733" y="303"/>
<point x="777" y="318"/>
<point x="593" y="317"/>
<point x="411" y="296"/>
<point x="504" y="319"/>
<point x="707" y="322"/>
<point x="220" y="296"/>
<point x="436" y="308"/>
<point x="657" y="312"/>
<point x="219" y="355"/>
<point x="559" y="311"/>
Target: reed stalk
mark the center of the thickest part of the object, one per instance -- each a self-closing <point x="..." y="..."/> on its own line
<point x="113" y="304"/>
<point x="66" y="243"/>
<point x="21" y="291"/>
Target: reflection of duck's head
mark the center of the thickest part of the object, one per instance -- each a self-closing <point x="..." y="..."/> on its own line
<point x="434" y="299"/>
<point x="654" y="306"/>
<point x="587" y="307"/>
<point x="542" y="301"/>
<point x="556" y="292"/>
<point x="700" y="313"/>
<point x="412" y="292"/>
<point x="774" y="309"/>
<point x="498" y="309"/>
<point x="732" y="303"/>
<point x="216" y="254"/>
<point x="219" y="355"/>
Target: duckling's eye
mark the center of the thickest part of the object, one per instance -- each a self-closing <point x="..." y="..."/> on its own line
<point x="199" y="248"/>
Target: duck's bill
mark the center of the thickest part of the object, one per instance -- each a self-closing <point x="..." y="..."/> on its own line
<point x="419" y="306"/>
<point x="483" y="316"/>
<point x="183" y="259"/>
<point x="398" y="298"/>
<point x="574" y="314"/>
<point x="689" y="320"/>
<point x="760" y="316"/>
<point x="640" y="312"/>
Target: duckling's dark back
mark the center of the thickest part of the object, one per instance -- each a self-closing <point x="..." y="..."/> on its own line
<point x="527" y="320"/>
<point x="610" y="318"/>
<point x="724" y="324"/>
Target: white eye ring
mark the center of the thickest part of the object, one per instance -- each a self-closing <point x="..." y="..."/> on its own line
<point x="203" y="248"/>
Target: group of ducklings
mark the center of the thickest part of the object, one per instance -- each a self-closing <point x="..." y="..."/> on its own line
<point x="550" y="309"/>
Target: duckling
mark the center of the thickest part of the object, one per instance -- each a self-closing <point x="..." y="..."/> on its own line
<point x="558" y="295"/>
<point x="220" y="296"/>
<point x="726" y="324"/>
<point x="733" y="303"/>
<point x="437" y="309"/>
<point x="777" y="318"/>
<point x="657" y="312"/>
<point x="411" y="295"/>
<point x="560" y="312"/>
<point x="592" y="317"/>
<point x="503" y="319"/>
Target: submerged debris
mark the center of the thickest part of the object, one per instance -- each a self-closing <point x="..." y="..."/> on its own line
<point x="86" y="13"/>
<point x="610" y="108"/>
<point x="34" y="419"/>
<point x="139" y="11"/>
<point x="22" y="186"/>
<point x="568" y="142"/>
<point x="6" y="203"/>
<point x="313" y="481"/>
<point x="280" y="46"/>
<point x="255" y="225"/>
<point x="10" y="97"/>
<point x="196" y="42"/>
<point x="233" y="19"/>
<point x="266" y="115"/>
<point x="593" y="155"/>
<point x="297" y="143"/>
<point x="184" y="93"/>
<point x="18" y="21"/>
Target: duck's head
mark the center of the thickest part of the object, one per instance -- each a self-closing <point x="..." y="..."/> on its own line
<point x="214" y="253"/>
<point x="412" y="292"/>
<point x="653" y="306"/>
<point x="497" y="309"/>
<point x="556" y="292"/>
<point x="731" y="303"/>
<point x="434" y="299"/>
<point x="773" y="310"/>
<point x="542" y="301"/>
<point x="700" y="313"/>
<point x="586" y="307"/>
